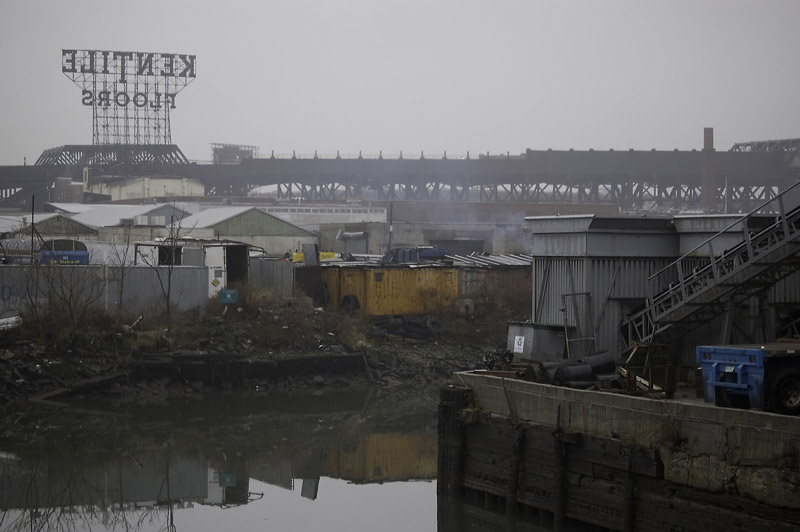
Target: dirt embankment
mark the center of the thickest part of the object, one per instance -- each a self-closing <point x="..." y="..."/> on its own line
<point x="262" y="344"/>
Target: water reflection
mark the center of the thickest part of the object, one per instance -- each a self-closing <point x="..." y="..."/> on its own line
<point x="167" y="466"/>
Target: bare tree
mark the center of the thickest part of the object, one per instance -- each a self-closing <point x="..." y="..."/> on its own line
<point x="66" y="293"/>
<point x="162" y="261"/>
<point x="121" y="251"/>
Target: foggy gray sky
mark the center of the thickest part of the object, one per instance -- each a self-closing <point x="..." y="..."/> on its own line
<point x="415" y="75"/>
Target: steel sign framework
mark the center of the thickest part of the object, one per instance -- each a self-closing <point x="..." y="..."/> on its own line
<point x="130" y="93"/>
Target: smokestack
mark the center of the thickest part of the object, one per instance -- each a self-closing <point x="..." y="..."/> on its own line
<point x="708" y="173"/>
<point x="708" y="138"/>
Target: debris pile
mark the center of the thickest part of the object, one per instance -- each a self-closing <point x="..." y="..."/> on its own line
<point x="597" y="371"/>
<point x="409" y="326"/>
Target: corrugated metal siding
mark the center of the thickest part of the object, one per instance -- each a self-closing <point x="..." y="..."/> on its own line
<point x="345" y="281"/>
<point x="721" y="243"/>
<point x="330" y="276"/>
<point x="557" y="271"/>
<point x="567" y="276"/>
<point x="141" y="289"/>
<point x="411" y="291"/>
<point x="12" y="288"/>
<point x="473" y="284"/>
<point x="607" y="324"/>
<point x="623" y="282"/>
<point x="626" y="245"/>
<point x="394" y="291"/>
<point x="384" y="456"/>
<point x="274" y="275"/>
<point x="787" y="291"/>
<point x="562" y="276"/>
<point x="496" y="285"/>
<point x="631" y="277"/>
<point x="559" y="245"/>
<point x="510" y="285"/>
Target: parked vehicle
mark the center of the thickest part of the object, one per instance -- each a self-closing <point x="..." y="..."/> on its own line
<point x="765" y="377"/>
<point x="54" y="251"/>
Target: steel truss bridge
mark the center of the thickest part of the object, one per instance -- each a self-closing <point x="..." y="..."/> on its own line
<point x="747" y="175"/>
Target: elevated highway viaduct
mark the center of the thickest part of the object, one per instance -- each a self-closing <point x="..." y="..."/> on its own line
<point x="735" y="181"/>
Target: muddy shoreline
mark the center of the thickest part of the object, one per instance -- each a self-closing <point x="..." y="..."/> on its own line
<point x="266" y="346"/>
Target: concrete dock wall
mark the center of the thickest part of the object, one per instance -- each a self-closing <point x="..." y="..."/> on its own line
<point x="751" y="454"/>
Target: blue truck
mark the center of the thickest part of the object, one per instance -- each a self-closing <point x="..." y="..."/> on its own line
<point x="763" y="377"/>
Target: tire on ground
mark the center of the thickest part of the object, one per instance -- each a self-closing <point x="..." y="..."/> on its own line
<point x="349" y="303"/>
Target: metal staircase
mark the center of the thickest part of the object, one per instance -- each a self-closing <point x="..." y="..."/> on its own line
<point x="696" y="295"/>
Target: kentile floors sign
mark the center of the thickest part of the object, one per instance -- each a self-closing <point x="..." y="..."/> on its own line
<point x="140" y="79"/>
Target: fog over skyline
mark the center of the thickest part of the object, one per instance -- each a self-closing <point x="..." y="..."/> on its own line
<point x="415" y="76"/>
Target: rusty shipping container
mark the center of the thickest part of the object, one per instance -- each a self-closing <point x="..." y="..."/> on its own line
<point x="393" y="291"/>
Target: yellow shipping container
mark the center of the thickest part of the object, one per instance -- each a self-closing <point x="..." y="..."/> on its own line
<point x="380" y="457"/>
<point x="393" y="291"/>
<point x="323" y="256"/>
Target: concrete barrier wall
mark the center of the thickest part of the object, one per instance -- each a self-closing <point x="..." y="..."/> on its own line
<point x="137" y="287"/>
<point x="754" y="453"/>
<point x="141" y="291"/>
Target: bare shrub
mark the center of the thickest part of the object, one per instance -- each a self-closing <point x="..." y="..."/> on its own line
<point x="59" y="300"/>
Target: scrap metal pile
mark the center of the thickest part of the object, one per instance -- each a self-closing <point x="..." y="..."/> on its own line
<point x="595" y="371"/>
<point x="598" y="371"/>
<point x="409" y="326"/>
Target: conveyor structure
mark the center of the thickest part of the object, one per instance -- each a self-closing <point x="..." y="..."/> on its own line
<point x="690" y="296"/>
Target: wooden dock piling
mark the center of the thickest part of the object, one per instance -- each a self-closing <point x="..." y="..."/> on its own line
<point x="452" y="402"/>
<point x="524" y="459"/>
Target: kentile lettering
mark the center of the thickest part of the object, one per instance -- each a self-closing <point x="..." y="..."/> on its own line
<point x="116" y="69"/>
<point x="98" y="62"/>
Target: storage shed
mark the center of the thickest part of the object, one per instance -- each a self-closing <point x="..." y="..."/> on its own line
<point x="596" y="267"/>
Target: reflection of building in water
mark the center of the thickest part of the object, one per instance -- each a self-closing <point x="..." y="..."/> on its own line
<point x="381" y="457"/>
<point x="139" y="479"/>
<point x="42" y="491"/>
<point x="71" y="472"/>
<point x="361" y="458"/>
<point x="227" y="488"/>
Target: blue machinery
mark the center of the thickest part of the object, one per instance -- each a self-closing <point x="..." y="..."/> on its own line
<point x="763" y="377"/>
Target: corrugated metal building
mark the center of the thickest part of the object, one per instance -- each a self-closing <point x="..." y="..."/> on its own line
<point x="249" y="225"/>
<point x="611" y="258"/>
<point x="105" y="215"/>
<point x="56" y="226"/>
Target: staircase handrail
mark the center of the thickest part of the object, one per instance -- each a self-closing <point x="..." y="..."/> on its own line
<point x="644" y="321"/>
<point x="725" y="230"/>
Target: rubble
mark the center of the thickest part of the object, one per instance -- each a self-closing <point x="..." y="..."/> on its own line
<point x="288" y="334"/>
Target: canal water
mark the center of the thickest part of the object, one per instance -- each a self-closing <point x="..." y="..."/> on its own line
<point x="335" y="460"/>
<point x="344" y="460"/>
